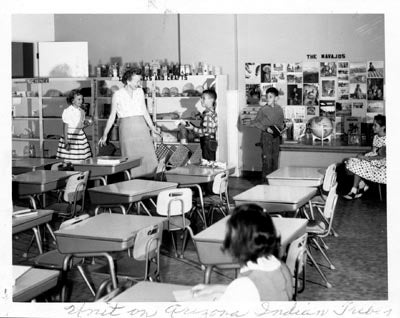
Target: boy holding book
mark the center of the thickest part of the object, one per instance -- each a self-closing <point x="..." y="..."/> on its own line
<point x="270" y="120"/>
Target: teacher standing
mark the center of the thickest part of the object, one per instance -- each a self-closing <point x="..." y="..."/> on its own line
<point x="128" y="103"/>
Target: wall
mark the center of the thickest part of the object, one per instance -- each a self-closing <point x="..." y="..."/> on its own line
<point x="289" y="38"/>
<point x="32" y="27"/>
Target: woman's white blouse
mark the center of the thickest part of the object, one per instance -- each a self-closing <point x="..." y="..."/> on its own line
<point x="73" y="117"/>
<point x="126" y="105"/>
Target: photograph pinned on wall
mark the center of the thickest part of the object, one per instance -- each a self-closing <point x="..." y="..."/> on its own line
<point x="252" y="73"/>
<point x="352" y="125"/>
<point x="328" y="69"/>
<point x="282" y="89"/>
<point x="358" y="91"/>
<point x="311" y="72"/>
<point x="339" y="125"/>
<point x="312" y="111"/>
<point x="343" y="91"/>
<point x="253" y="94"/>
<point x="343" y="74"/>
<point x="310" y="94"/>
<point x="294" y="78"/>
<point x="266" y="73"/>
<point x="358" y="67"/>
<point x="358" y="78"/>
<point x="294" y="67"/>
<point x="278" y="67"/>
<point x="343" y="108"/>
<point x="375" y="69"/>
<point x="295" y="112"/>
<point x="278" y="77"/>
<point x="328" y="88"/>
<point x="359" y="109"/>
<point x="375" y="89"/>
<point x="369" y="117"/>
<point x="327" y="109"/>
<point x="343" y="64"/>
<point x="375" y="107"/>
<point x="294" y="94"/>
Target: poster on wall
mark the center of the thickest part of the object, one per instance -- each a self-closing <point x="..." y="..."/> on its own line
<point x="339" y="125"/>
<point x="328" y="89"/>
<point x="358" y="109"/>
<point x="352" y="125"/>
<point x="253" y="94"/>
<point x="312" y="111"/>
<point x="294" y="67"/>
<point x="328" y="69"/>
<point x="369" y="118"/>
<point x="310" y="94"/>
<point x="358" y="68"/>
<point x="294" y="78"/>
<point x="375" y="107"/>
<point x="266" y="73"/>
<point x="343" y="74"/>
<point x="252" y="73"/>
<point x="327" y="109"/>
<point x="375" y="69"/>
<point x="278" y="77"/>
<point x="375" y="89"/>
<point x="295" y="112"/>
<point x="311" y="72"/>
<point x="343" y="108"/>
<point x="358" y="91"/>
<point x="343" y="90"/>
<point x="294" y="94"/>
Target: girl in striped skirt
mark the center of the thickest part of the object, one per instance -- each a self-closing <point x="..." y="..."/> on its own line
<point x="74" y="146"/>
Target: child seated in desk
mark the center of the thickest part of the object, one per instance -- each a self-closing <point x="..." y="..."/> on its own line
<point x="251" y="238"/>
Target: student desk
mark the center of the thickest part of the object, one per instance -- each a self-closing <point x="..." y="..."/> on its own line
<point x="34" y="282"/>
<point x="100" y="171"/>
<point x="209" y="242"/>
<point x="103" y="233"/>
<point x="297" y="176"/>
<point x="22" y="165"/>
<point x="193" y="176"/>
<point x="147" y="292"/>
<point x="277" y="198"/>
<point x="39" y="181"/>
<point x="127" y="192"/>
<point x="23" y="223"/>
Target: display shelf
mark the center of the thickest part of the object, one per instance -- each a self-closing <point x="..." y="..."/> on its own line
<point x="25" y="118"/>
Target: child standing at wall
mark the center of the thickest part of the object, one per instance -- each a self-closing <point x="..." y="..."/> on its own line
<point x="74" y="146"/>
<point x="208" y="126"/>
<point x="252" y="240"/>
<point x="269" y="120"/>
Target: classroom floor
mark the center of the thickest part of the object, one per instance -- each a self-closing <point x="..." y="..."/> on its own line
<point x="359" y="255"/>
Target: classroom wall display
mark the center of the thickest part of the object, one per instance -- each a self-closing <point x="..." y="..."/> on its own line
<point x="349" y="93"/>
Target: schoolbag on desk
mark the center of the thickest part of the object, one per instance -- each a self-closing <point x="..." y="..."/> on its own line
<point x="107" y="150"/>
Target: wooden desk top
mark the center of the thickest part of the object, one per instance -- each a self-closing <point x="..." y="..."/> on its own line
<point x="294" y="172"/>
<point x="150" y="292"/>
<point x="288" y="229"/>
<point x="34" y="282"/>
<point x="103" y="233"/>
<point x="128" y="191"/>
<point x="22" y="223"/>
<point x="33" y="163"/>
<point x="42" y="176"/>
<point x="276" y="194"/>
<point x="192" y="170"/>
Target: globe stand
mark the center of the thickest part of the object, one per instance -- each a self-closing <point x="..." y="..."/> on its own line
<point x="322" y="138"/>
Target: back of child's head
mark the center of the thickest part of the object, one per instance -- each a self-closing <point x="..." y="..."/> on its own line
<point x="273" y="91"/>
<point x="71" y="95"/>
<point x="212" y="93"/>
<point x="250" y="234"/>
<point x="381" y="120"/>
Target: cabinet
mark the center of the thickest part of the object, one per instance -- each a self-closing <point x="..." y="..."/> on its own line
<point x="37" y="106"/>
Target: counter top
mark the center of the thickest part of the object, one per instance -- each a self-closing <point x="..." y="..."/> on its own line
<point x="336" y="145"/>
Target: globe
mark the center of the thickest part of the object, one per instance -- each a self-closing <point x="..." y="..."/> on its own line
<point x="321" y="127"/>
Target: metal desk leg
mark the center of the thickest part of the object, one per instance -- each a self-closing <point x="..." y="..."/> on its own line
<point x="38" y="240"/>
<point x="207" y="274"/>
<point x="141" y="204"/>
<point x="203" y="215"/>
<point x="112" y="269"/>
<point x="51" y="231"/>
<point x="127" y="174"/>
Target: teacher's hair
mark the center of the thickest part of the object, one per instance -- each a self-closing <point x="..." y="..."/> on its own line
<point x="250" y="234"/>
<point x="129" y="73"/>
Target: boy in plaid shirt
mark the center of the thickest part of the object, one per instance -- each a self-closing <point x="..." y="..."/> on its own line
<point x="208" y="126"/>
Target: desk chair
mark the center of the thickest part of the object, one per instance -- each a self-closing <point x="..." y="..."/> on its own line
<point x="55" y="260"/>
<point x="320" y="228"/>
<point x="73" y="193"/>
<point x="220" y="200"/>
<point x="146" y="252"/>
<point x="174" y="204"/>
<point x="296" y="260"/>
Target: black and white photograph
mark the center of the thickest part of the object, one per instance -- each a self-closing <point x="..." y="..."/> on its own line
<point x="183" y="162"/>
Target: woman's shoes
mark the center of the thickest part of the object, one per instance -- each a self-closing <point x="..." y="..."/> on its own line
<point x="352" y="195"/>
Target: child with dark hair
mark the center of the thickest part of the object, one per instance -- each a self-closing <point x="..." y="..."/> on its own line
<point x="208" y="126"/>
<point x="74" y="146"/>
<point x="372" y="165"/>
<point x="252" y="240"/>
<point x="269" y="118"/>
